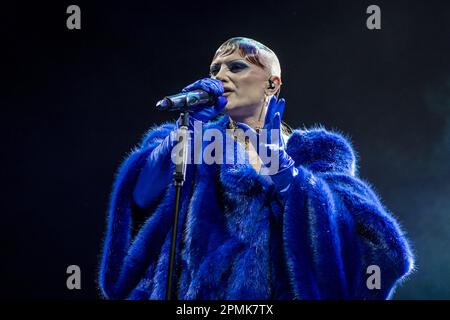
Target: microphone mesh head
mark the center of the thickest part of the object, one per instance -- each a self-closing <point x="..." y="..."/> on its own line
<point x="163" y="104"/>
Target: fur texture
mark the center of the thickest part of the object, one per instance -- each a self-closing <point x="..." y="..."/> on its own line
<point x="237" y="240"/>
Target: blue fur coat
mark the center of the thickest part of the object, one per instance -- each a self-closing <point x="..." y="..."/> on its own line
<point x="238" y="240"/>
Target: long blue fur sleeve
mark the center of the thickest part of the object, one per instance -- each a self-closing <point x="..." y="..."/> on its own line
<point x="335" y="227"/>
<point x="124" y="258"/>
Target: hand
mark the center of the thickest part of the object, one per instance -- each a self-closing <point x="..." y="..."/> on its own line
<point x="214" y="87"/>
<point x="273" y="108"/>
<point x="272" y="120"/>
<point x="286" y="171"/>
<point x="267" y="144"/>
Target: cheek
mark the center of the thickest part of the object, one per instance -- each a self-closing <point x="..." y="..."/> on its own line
<point x="249" y="89"/>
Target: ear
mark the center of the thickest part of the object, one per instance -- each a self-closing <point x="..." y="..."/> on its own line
<point x="277" y="81"/>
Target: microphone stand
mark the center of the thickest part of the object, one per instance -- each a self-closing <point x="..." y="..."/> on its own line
<point x="179" y="176"/>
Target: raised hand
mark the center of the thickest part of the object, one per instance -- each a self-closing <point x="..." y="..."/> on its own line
<point x="214" y="87"/>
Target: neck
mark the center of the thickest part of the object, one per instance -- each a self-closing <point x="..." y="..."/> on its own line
<point x="253" y="120"/>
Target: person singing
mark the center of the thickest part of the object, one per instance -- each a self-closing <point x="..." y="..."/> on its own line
<point x="300" y="226"/>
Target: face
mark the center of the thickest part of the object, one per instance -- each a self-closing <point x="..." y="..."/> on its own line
<point x="244" y="85"/>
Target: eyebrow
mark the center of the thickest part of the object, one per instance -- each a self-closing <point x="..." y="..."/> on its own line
<point x="220" y="62"/>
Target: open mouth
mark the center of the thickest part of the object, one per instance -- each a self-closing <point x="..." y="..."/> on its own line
<point x="227" y="91"/>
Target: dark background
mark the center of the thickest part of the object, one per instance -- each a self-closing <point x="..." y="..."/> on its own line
<point x="74" y="102"/>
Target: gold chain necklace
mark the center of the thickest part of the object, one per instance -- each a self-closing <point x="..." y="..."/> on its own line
<point x="253" y="157"/>
<point x="238" y="137"/>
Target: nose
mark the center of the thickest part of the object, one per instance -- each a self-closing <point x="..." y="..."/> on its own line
<point x="221" y="75"/>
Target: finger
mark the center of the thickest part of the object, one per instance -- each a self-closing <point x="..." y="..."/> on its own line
<point x="209" y="85"/>
<point x="193" y="86"/>
<point x="276" y="123"/>
<point x="271" y="109"/>
<point x="221" y="103"/>
<point x="280" y="107"/>
<point x="215" y="85"/>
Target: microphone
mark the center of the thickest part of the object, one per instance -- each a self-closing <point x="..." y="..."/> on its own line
<point x="185" y="100"/>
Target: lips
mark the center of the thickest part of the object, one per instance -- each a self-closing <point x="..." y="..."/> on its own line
<point x="227" y="90"/>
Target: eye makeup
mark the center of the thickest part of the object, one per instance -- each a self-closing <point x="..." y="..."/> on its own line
<point x="234" y="66"/>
